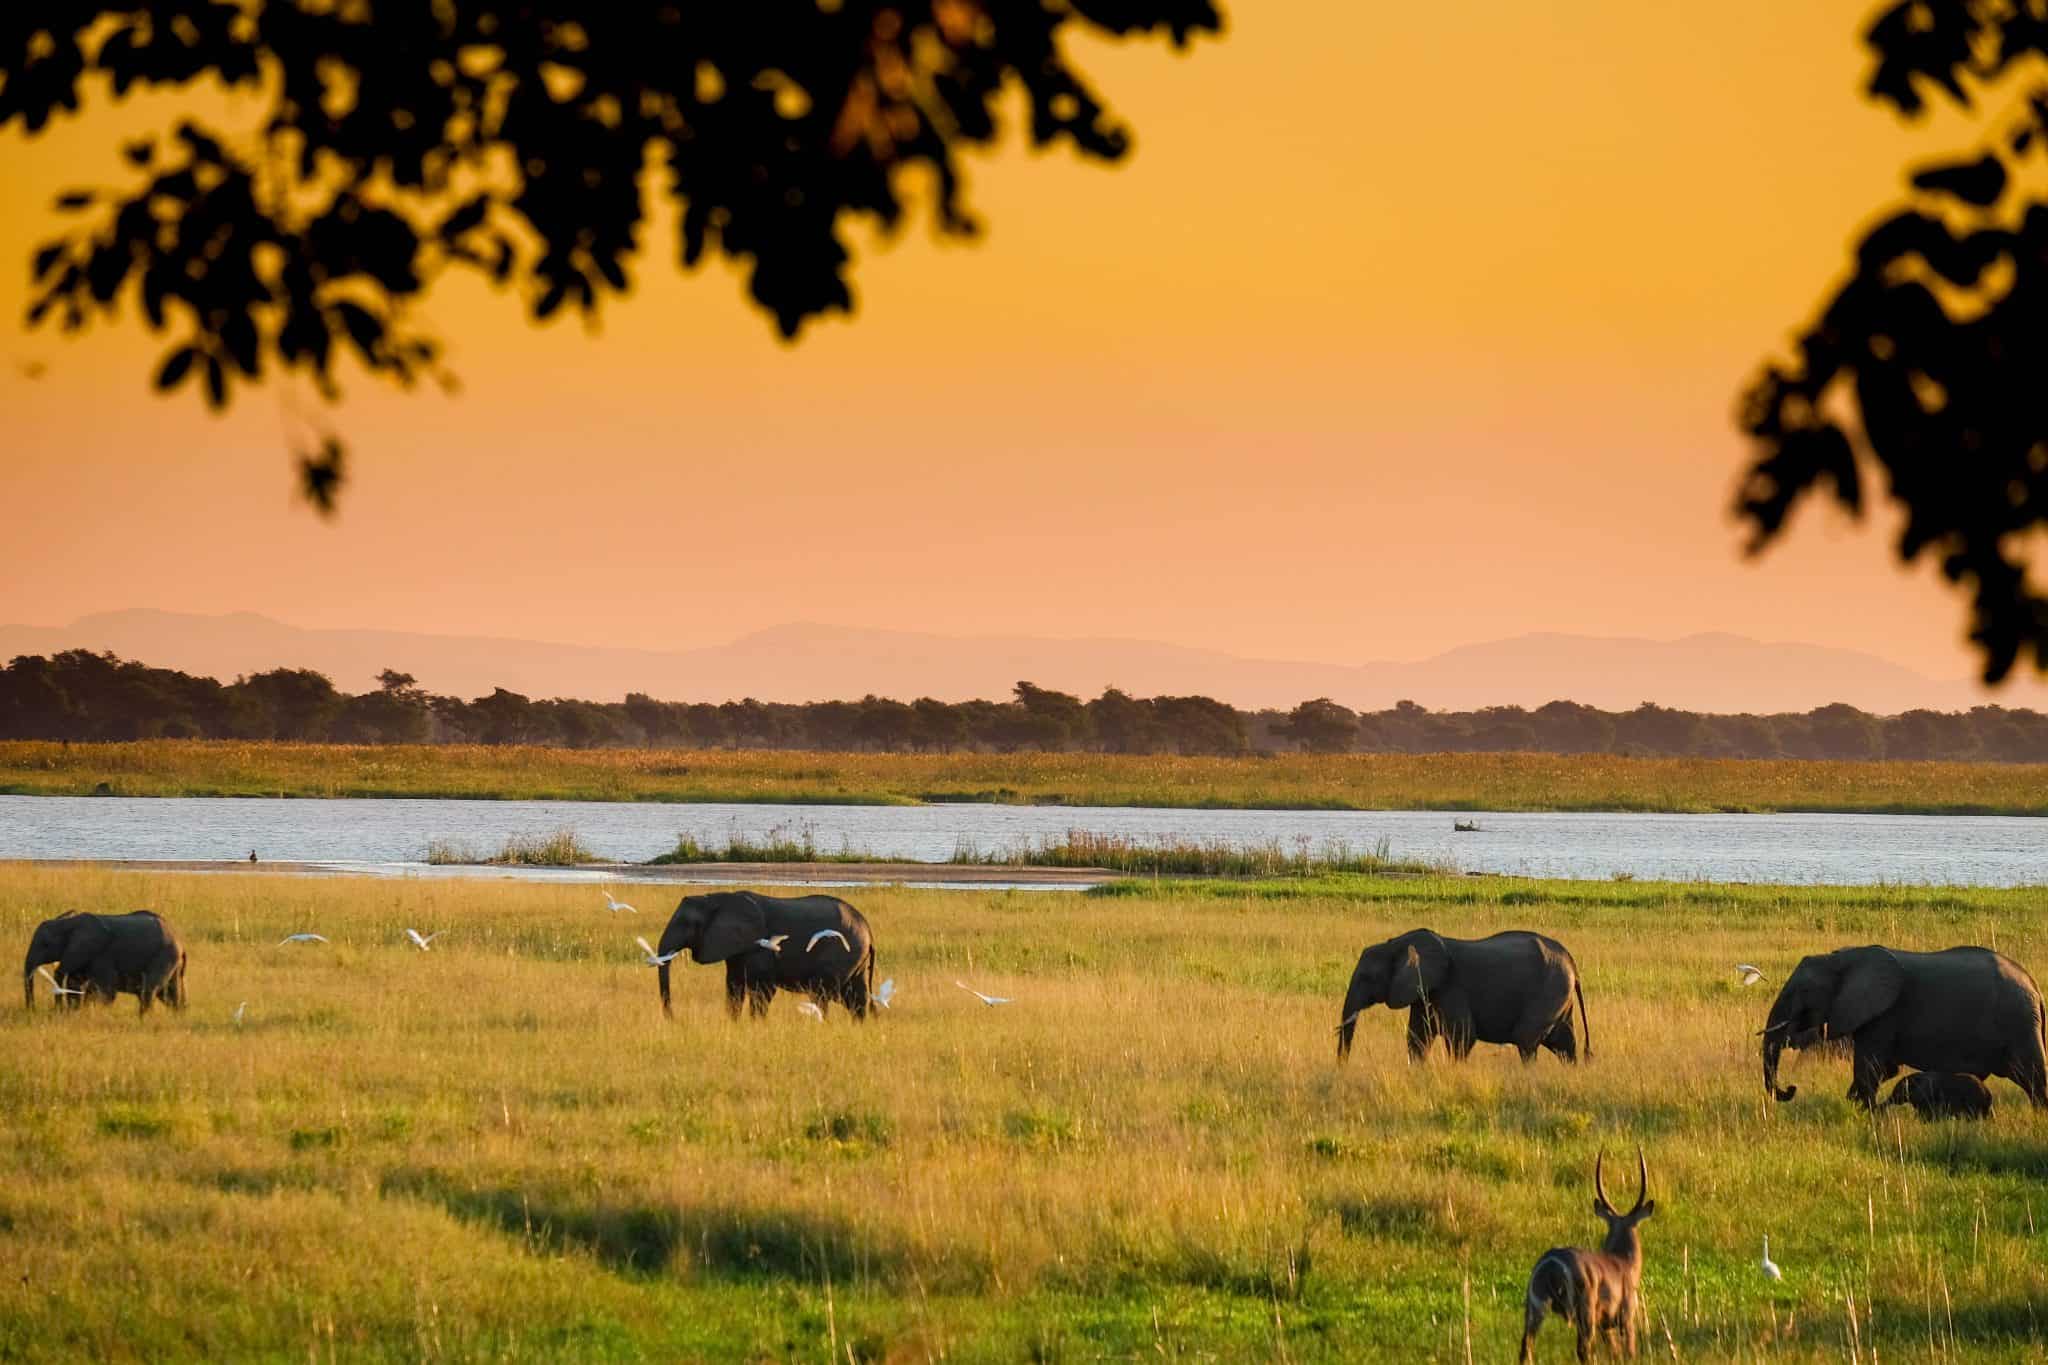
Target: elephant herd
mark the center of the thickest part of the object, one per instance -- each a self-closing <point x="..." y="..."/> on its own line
<point x="1954" y="1017"/>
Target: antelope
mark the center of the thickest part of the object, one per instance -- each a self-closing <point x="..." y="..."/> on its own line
<point x="1596" y="1291"/>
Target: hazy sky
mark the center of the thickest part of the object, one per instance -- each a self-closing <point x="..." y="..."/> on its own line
<point x="1405" y="326"/>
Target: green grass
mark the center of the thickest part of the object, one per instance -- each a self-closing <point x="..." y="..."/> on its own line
<point x="1170" y="856"/>
<point x="1078" y="848"/>
<point x="1456" y="782"/>
<point x="499" y="1149"/>
<point x="779" y="845"/>
<point x="558" y="849"/>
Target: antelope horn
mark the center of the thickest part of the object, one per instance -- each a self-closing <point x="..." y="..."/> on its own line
<point x="1599" y="1185"/>
<point x="1642" y="1177"/>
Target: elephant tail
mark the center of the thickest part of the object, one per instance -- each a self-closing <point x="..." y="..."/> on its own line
<point x="1585" y="1027"/>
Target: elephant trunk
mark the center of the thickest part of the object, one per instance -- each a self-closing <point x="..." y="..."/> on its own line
<point x="28" y="985"/>
<point x="661" y="975"/>
<point x="1777" y="1032"/>
<point x="1355" y="1004"/>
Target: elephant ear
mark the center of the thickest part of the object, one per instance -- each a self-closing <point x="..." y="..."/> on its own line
<point x="1870" y="983"/>
<point x="732" y="928"/>
<point x="1419" y="972"/>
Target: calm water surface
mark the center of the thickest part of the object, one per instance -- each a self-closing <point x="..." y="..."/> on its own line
<point x="1950" y="850"/>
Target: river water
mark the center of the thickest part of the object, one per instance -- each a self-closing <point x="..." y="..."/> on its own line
<point x="1808" y="849"/>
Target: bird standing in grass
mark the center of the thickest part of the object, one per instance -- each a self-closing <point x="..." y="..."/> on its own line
<point x="990" y="1000"/>
<point x="239" y="1011"/>
<point x="1770" y="1267"/>
<point x="885" y="993"/>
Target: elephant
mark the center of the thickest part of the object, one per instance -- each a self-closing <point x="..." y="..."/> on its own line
<point x="736" y="927"/>
<point x="1513" y="987"/>
<point x="1943" y="1095"/>
<point x="136" y="953"/>
<point x="1967" y="1010"/>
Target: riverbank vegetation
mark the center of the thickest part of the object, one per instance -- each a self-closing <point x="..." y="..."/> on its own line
<point x="89" y="698"/>
<point x="1080" y="848"/>
<point x="560" y="848"/>
<point x="1150" y="1152"/>
<point x="1452" y="782"/>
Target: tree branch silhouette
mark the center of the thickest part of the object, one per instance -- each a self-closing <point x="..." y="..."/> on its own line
<point x="401" y="140"/>
<point x="1929" y="365"/>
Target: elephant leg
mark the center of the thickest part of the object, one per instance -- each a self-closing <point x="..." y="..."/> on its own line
<point x="735" y="989"/>
<point x="1457" y="1030"/>
<point x="156" y="979"/>
<point x="1872" y="1067"/>
<point x="853" y="993"/>
<point x="1562" y="1041"/>
<point x="1548" y="1003"/>
<point x="758" y="996"/>
<point x="1422" y="1030"/>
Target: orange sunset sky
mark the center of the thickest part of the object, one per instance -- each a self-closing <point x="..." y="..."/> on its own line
<point x="1404" y="326"/>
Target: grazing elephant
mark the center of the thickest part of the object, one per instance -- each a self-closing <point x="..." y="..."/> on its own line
<point x="1943" y="1095"/>
<point x="1968" y="1010"/>
<point x="1514" y="987"/>
<point x="108" y="954"/>
<point x="771" y="943"/>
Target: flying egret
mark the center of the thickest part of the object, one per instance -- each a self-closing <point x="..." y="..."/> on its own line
<point x="44" y="973"/>
<point x="773" y="944"/>
<point x="300" y="938"/>
<point x="990" y="1000"/>
<point x="655" y="959"/>
<point x="1770" y="1267"/>
<point x="1750" y="975"/>
<point x="885" y="993"/>
<point x="616" y="906"/>
<point x="421" y="943"/>
<point x="828" y="933"/>
<point x="238" y="1013"/>
<point x="809" y="1010"/>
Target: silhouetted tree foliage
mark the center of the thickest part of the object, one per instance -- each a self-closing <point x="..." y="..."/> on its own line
<point x="1928" y="364"/>
<point x="399" y="139"/>
<point x="78" y="695"/>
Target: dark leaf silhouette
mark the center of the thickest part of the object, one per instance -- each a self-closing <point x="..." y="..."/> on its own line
<point x="320" y="475"/>
<point x="1927" y="364"/>
<point x="176" y="366"/>
<point x="1978" y="182"/>
<point x="390" y="136"/>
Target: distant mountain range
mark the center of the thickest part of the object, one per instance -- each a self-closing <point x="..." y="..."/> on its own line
<point x="802" y="662"/>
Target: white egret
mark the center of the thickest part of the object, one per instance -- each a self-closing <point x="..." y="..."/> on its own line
<point x="300" y="938"/>
<point x="655" y="959"/>
<point x="44" y="973"/>
<point x="990" y="1000"/>
<point x="1770" y="1267"/>
<point x="773" y="944"/>
<point x="421" y="943"/>
<point x="1750" y="975"/>
<point x="616" y="906"/>
<point x="238" y="1013"/>
<point x="828" y="933"/>
<point x="885" y="993"/>
<point x="809" y="1010"/>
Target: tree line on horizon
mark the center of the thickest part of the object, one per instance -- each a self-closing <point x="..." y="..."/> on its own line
<point x="81" y="696"/>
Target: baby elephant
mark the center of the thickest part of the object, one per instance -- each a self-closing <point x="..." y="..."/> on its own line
<point x="1943" y="1095"/>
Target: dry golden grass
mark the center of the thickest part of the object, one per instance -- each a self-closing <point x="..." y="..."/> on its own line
<point x="499" y="1149"/>
<point x="1286" y="781"/>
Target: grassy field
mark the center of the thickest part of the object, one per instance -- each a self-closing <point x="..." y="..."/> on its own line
<point x="498" y="1149"/>
<point x="1281" y="782"/>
